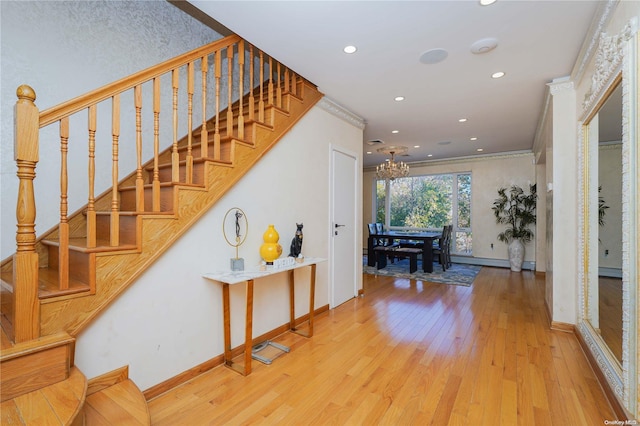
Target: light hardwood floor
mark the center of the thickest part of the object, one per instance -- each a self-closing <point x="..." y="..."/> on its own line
<point x="410" y="353"/>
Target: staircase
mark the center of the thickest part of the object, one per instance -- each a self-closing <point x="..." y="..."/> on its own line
<point x="58" y="282"/>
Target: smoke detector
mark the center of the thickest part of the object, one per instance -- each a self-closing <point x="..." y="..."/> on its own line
<point x="484" y="45"/>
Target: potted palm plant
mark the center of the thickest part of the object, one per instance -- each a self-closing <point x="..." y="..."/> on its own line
<point x="516" y="209"/>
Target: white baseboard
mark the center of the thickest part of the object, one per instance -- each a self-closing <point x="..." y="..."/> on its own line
<point x="483" y="261"/>
<point x="610" y="272"/>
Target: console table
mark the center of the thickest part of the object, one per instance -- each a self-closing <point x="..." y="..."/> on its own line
<point x="248" y="276"/>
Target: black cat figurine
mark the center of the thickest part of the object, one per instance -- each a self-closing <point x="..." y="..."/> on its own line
<point x="296" y="243"/>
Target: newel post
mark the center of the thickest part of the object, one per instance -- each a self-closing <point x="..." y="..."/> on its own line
<point x="26" y="312"/>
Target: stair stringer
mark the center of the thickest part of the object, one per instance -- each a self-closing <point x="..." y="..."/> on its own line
<point x="117" y="271"/>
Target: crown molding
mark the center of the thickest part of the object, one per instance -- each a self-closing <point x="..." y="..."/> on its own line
<point x="608" y="61"/>
<point x="598" y="25"/>
<point x="559" y="86"/>
<point x="465" y="159"/>
<point x="341" y="112"/>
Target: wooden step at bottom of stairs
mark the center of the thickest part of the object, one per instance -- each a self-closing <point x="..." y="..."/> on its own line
<point x="119" y="404"/>
<point x="57" y="404"/>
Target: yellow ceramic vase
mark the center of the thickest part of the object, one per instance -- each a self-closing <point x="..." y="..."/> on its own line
<point x="270" y="250"/>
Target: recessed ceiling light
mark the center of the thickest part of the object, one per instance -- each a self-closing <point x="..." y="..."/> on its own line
<point x="369" y="152"/>
<point x="350" y="49"/>
<point x="498" y="74"/>
<point x="416" y="146"/>
<point x="399" y="98"/>
<point x="462" y="120"/>
<point x="430" y="155"/>
<point x="479" y="149"/>
<point x="487" y="2"/>
<point x="395" y="131"/>
<point x="473" y="139"/>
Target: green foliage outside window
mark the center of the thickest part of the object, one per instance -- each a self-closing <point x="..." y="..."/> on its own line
<point x="464" y="201"/>
<point x="429" y="202"/>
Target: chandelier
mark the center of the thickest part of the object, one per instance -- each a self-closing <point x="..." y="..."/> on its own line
<point x="391" y="169"/>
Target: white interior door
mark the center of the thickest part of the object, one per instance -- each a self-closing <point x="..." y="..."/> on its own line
<point x="343" y="226"/>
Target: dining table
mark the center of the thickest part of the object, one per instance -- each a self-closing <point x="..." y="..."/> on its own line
<point x="427" y="238"/>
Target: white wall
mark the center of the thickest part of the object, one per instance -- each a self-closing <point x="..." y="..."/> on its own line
<point x="170" y="320"/>
<point x="488" y="174"/>
<point x="65" y="49"/>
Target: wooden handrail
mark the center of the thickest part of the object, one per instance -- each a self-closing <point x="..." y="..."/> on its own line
<point x="72" y="106"/>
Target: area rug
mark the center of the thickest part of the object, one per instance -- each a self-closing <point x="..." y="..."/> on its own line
<point x="458" y="274"/>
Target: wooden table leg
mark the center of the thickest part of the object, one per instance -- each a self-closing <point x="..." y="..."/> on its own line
<point x="427" y="255"/>
<point x="371" y="256"/>
<point x="248" y="331"/>
<point x="292" y="301"/>
<point x="312" y="292"/>
<point x="227" y="324"/>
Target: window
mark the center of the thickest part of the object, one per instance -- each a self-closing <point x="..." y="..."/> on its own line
<point x="428" y="203"/>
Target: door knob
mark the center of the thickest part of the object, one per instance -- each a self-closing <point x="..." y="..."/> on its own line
<point x="338" y="226"/>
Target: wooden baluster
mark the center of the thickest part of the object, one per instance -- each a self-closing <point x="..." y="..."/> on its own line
<point x="114" y="239"/>
<point x="301" y="93"/>
<point x="155" y="184"/>
<point x="216" y="130"/>
<point x="204" y="134"/>
<point x="287" y="89"/>
<point x="63" y="227"/>
<point x="270" y="89"/>
<point x="26" y="306"/>
<point x="279" y="89"/>
<point x="137" y="95"/>
<point x="294" y="86"/>
<point x="175" y="157"/>
<point x="91" y="204"/>
<point x="252" y="101"/>
<point x="241" y="89"/>
<point x="261" y="101"/>
<point x="189" y="171"/>
<point x="229" y="90"/>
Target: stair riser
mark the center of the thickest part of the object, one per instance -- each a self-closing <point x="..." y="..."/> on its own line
<point x="127" y="224"/>
<point x="197" y="177"/>
<point x="79" y="264"/>
<point x="128" y="200"/>
<point x="34" y="371"/>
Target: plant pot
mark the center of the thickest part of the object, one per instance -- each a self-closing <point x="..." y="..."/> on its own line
<point x="516" y="255"/>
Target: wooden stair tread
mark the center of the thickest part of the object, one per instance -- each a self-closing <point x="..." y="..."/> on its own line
<point x="163" y="185"/>
<point x="48" y="285"/>
<point x="80" y="244"/>
<point x="119" y="404"/>
<point x="57" y="404"/>
<point x="31" y="346"/>
<point x="195" y="161"/>
<point x="48" y="281"/>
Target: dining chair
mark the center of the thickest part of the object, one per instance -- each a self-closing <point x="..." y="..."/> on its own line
<point x="442" y="248"/>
